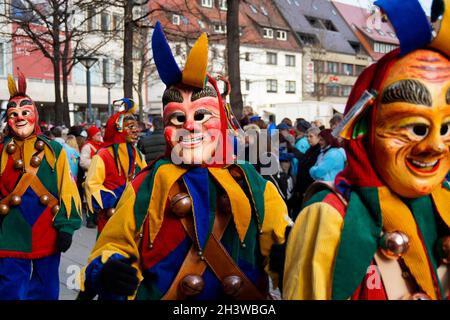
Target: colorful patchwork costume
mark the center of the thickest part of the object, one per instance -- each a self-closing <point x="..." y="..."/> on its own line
<point x="383" y="230"/>
<point x="190" y="227"/>
<point x="39" y="207"/>
<point x="114" y="165"/>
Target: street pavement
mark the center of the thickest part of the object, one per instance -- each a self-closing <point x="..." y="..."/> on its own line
<point x="73" y="260"/>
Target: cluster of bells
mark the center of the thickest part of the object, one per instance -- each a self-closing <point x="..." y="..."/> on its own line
<point x="394" y="245"/>
<point x="192" y="284"/>
<point x="16" y="200"/>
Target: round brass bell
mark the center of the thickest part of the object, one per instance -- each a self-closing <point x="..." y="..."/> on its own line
<point x="232" y="285"/>
<point x="444" y="249"/>
<point x="15" y="200"/>
<point x="181" y="204"/>
<point x="192" y="285"/>
<point x="11" y="148"/>
<point x="39" y="145"/>
<point x="110" y="212"/>
<point x="44" y="199"/>
<point x="18" y="164"/>
<point x="394" y="244"/>
<point x="4" y="209"/>
<point x="224" y="203"/>
<point x="417" y="296"/>
<point x="35" y="161"/>
<point x="55" y="209"/>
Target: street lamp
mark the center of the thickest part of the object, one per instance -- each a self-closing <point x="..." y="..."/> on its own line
<point x="108" y="85"/>
<point x="88" y="62"/>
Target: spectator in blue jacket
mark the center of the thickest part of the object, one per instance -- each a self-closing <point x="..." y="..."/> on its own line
<point x="331" y="159"/>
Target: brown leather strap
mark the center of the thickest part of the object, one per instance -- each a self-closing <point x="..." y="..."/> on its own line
<point x="192" y="263"/>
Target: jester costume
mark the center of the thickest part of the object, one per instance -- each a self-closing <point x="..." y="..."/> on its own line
<point x="192" y="225"/>
<point x="382" y="231"/>
<point x="114" y="165"/>
<point x="39" y="207"/>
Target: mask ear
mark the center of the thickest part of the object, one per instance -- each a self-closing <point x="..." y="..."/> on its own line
<point x="354" y="124"/>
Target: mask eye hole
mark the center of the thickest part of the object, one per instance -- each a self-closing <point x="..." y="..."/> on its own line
<point x="445" y="129"/>
<point x="178" y="118"/>
<point x="13" y="115"/>
<point x="202" y="115"/>
<point x="420" y="130"/>
<point x="26" y="113"/>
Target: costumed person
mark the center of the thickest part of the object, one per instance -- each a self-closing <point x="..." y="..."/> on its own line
<point x="383" y="230"/>
<point x="114" y="165"/>
<point x="39" y="207"/>
<point x="193" y="225"/>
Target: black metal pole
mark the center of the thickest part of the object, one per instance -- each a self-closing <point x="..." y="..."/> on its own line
<point x="109" y="102"/>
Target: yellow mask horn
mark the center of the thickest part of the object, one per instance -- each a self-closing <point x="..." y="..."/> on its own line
<point x="194" y="73"/>
<point x="12" y="86"/>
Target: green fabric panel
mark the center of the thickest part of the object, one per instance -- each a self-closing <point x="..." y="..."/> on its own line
<point x="144" y="193"/>
<point x="146" y="292"/>
<point x="317" y="197"/>
<point x="61" y="223"/>
<point x="14" y="224"/>
<point x="48" y="177"/>
<point x="55" y="146"/>
<point x="426" y="219"/>
<point x="359" y="242"/>
<point x="257" y="185"/>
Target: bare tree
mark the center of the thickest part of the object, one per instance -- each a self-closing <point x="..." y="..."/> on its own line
<point x="233" y="45"/>
<point x="57" y="30"/>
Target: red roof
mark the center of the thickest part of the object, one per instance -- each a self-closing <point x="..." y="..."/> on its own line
<point x="196" y="19"/>
<point x="360" y="18"/>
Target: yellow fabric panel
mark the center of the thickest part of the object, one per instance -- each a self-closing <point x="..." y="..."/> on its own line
<point x="398" y="217"/>
<point x="276" y="219"/>
<point x="165" y="177"/>
<point x="240" y="205"/>
<point x="441" y="41"/>
<point x="441" y="199"/>
<point x="67" y="188"/>
<point x="311" y="252"/>
<point x="119" y="235"/>
<point x="194" y="72"/>
<point x="123" y="159"/>
<point x="140" y="159"/>
<point x="93" y="184"/>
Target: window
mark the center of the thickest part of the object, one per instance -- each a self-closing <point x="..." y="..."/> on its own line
<point x="314" y="22"/>
<point x="115" y="21"/>
<point x="328" y="24"/>
<point x="271" y="58"/>
<point x="247" y="56"/>
<point x="214" y="53"/>
<point x="220" y="28"/>
<point x="358" y="70"/>
<point x="207" y="3"/>
<point x="185" y="20"/>
<point x="176" y="19"/>
<point x="332" y="90"/>
<point x="308" y="39"/>
<point x="355" y="46"/>
<point x="268" y="33"/>
<point x="118" y="71"/>
<point x="318" y="66"/>
<point x="91" y="25"/>
<point x="253" y="8"/>
<point x="272" y="85"/>
<point x="290" y="60"/>
<point x="290" y="86"/>
<point x="332" y="67"/>
<point x="178" y="49"/>
<point x="264" y="11"/>
<point x="346" y="90"/>
<point x="223" y="5"/>
<point x="247" y="85"/>
<point x="347" y="69"/>
<point x="281" y="35"/>
<point x="105" y="19"/>
<point x="201" y="24"/>
<point x="380" y="47"/>
<point x="106" y="68"/>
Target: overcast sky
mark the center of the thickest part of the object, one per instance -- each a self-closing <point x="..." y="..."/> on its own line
<point x="426" y="4"/>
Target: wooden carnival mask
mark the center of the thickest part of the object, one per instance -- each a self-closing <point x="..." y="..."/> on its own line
<point x="412" y="124"/>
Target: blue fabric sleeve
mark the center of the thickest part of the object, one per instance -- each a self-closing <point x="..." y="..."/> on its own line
<point x="330" y="162"/>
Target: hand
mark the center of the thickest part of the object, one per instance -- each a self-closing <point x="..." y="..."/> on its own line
<point x="119" y="277"/>
<point x="63" y="241"/>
